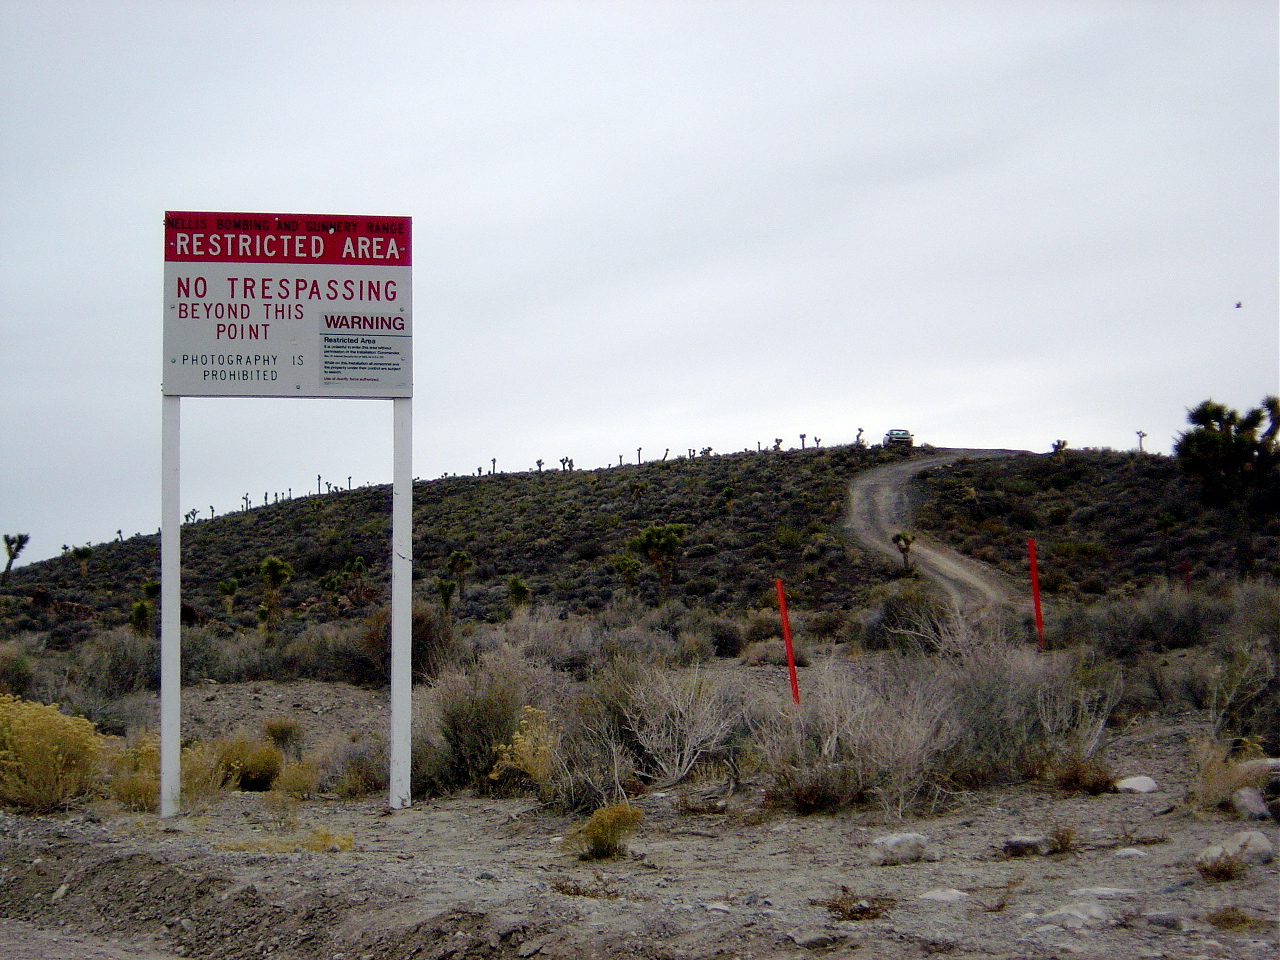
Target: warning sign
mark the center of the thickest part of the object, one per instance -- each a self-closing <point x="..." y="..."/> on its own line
<point x="287" y="305"/>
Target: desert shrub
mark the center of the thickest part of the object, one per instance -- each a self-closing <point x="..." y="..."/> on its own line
<point x="637" y="644"/>
<point x="47" y="759"/>
<point x="134" y="774"/>
<point x="297" y="778"/>
<point x="566" y="644"/>
<point x="281" y="809"/>
<point x="904" y="731"/>
<point x="251" y="764"/>
<point x="773" y="653"/>
<point x="1092" y="775"/>
<point x="828" y="625"/>
<point x="762" y="625"/>
<point x="285" y="733"/>
<point x="1222" y="868"/>
<point x="604" y="834"/>
<point x="678" y="718"/>
<point x="593" y="763"/>
<point x="17" y="672"/>
<point x="433" y="648"/>
<point x="910" y="619"/>
<point x="474" y="713"/>
<point x="821" y="755"/>
<point x="116" y="663"/>
<point x="725" y="636"/>
<point x="692" y="648"/>
<point x="357" y="768"/>
<point x="1219" y="772"/>
<point x="203" y="775"/>
<point x="1161" y="618"/>
<point x="532" y="754"/>
<point x="1019" y="713"/>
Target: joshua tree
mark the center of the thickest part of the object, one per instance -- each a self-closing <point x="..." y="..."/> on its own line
<point x="628" y="569"/>
<point x="660" y="546"/>
<point x="518" y="590"/>
<point x="1142" y="435"/>
<point x="459" y="563"/>
<point x="228" y="589"/>
<point x="903" y="542"/>
<point x="82" y="555"/>
<point x="539" y="463"/>
<point x="445" y="589"/>
<point x="1059" y="447"/>
<point x="1237" y="464"/>
<point x="140" y="618"/>
<point x="802" y="436"/>
<point x="275" y="573"/>
<point x="14" y="544"/>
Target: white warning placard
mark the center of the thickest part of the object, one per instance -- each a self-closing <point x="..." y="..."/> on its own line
<point x="287" y="305"/>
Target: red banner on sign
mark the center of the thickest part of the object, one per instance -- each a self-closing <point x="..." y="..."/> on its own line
<point x="287" y="238"/>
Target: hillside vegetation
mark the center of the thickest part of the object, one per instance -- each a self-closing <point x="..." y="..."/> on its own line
<point x="1105" y="522"/>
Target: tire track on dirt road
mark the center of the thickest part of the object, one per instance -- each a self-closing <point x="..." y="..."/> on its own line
<point x="880" y="505"/>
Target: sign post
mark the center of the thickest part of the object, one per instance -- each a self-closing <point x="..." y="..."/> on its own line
<point x="287" y="305"/>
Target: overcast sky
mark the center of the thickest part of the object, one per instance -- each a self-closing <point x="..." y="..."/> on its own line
<point x="642" y="225"/>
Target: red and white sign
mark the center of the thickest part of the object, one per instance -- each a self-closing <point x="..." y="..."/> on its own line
<point x="287" y="305"/>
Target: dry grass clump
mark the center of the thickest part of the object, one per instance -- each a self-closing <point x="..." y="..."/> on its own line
<point x="1092" y="775"/>
<point x="134" y="774"/>
<point x="598" y="888"/>
<point x="849" y="906"/>
<point x="47" y="759"/>
<point x="285" y="733"/>
<point x="532" y="753"/>
<point x="357" y="768"/>
<point x="604" y="834"/>
<point x="1233" y="918"/>
<point x="318" y="840"/>
<point x="251" y="764"/>
<point x="281" y="809"/>
<point x="297" y="778"/>
<point x="1222" y="868"/>
<point x="1219" y="773"/>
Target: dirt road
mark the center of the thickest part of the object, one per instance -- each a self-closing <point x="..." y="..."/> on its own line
<point x="880" y="506"/>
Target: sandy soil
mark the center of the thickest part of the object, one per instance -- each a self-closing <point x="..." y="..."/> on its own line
<point x="470" y="877"/>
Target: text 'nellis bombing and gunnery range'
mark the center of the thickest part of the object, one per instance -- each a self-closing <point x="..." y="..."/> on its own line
<point x="297" y="305"/>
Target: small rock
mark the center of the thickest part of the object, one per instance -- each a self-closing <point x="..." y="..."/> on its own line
<point x="1028" y="846"/>
<point x="1251" y="846"/>
<point x="1075" y="916"/>
<point x="530" y="947"/>
<point x="59" y="893"/>
<point x="1103" y="893"/>
<point x="1130" y="852"/>
<point x="944" y="895"/>
<point x="899" y="848"/>
<point x="718" y="906"/>
<point x="1164" y="919"/>
<point x="1136" y="785"/>
<point x="811" y="938"/>
<point x="1249" y="804"/>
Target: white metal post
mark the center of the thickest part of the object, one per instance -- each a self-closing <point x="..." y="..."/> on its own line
<point x="170" y="607"/>
<point x="401" y="602"/>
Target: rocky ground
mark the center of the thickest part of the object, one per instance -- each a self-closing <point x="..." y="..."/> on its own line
<point x="706" y="877"/>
